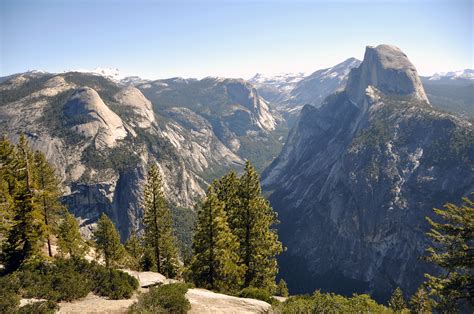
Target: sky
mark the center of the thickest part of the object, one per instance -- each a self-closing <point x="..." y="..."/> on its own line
<point x="160" y="39"/>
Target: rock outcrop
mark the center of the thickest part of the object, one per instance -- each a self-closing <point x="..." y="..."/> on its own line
<point x="357" y="177"/>
<point x="208" y="302"/>
<point x="388" y="69"/>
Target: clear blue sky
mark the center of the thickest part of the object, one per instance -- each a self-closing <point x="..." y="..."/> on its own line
<point x="157" y="39"/>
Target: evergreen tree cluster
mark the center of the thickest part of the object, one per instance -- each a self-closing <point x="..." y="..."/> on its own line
<point x="235" y="245"/>
<point x="30" y="207"/>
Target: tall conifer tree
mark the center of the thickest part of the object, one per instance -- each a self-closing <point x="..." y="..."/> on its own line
<point x="7" y="185"/>
<point x="159" y="226"/>
<point x="215" y="261"/>
<point x="47" y="195"/>
<point x="252" y="221"/>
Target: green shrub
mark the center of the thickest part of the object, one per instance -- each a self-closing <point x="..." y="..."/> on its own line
<point x="282" y="289"/>
<point x="44" y="307"/>
<point x="9" y="297"/>
<point x="53" y="281"/>
<point x="114" y="284"/>
<point x="256" y="293"/>
<point x="71" y="279"/>
<point x="296" y="305"/>
<point x="164" y="299"/>
<point x="330" y="303"/>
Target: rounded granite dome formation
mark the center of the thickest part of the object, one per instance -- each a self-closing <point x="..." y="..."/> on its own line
<point x="388" y="69"/>
<point x="142" y="108"/>
<point x="89" y="116"/>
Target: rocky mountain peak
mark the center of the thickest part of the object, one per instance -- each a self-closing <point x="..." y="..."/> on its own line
<point x="388" y="69"/>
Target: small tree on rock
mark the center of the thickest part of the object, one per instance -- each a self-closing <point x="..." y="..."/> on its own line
<point x="134" y="248"/>
<point x="70" y="240"/>
<point x="397" y="302"/>
<point x="282" y="288"/>
<point x="107" y="242"/>
<point x="419" y="302"/>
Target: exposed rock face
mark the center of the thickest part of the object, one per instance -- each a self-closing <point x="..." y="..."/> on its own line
<point x="139" y="105"/>
<point x="388" y="69"/>
<point x="243" y="93"/>
<point x="87" y="115"/>
<point x="357" y="177"/>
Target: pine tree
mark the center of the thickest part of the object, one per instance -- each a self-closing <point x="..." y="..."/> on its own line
<point x="168" y="246"/>
<point x="159" y="227"/>
<point x="419" y="302"/>
<point x="397" y="302"/>
<point x="28" y="230"/>
<point x="48" y="195"/>
<point x="226" y="189"/>
<point x="70" y="240"/>
<point x="215" y="261"/>
<point x="134" y="248"/>
<point x="251" y="220"/>
<point x="453" y="251"/>
<point x="282" y="288"/>
<point x="7" y="184"/>
<point x="107" y="242"/>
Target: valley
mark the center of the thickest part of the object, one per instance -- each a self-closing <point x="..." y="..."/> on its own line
<point x="353" y="156"/>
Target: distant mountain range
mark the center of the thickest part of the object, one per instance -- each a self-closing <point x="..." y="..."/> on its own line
<point x="452" y="92"/>
<point x="467" y="74"/>
<point x="288" y="93"/>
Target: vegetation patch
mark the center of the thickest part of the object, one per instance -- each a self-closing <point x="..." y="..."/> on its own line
<point x="257" y="293"/>
<point x="164" y="299"/>
<point x="114" y="284"/>
<point x="67" y="280"/>
<point x="330" y="303"/>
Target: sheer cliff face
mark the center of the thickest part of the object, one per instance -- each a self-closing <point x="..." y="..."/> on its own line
<point x="101" y="136"/>
<point x="357" y="177"/>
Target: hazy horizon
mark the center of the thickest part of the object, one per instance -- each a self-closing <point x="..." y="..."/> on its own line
<point x="195" y="39"/>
